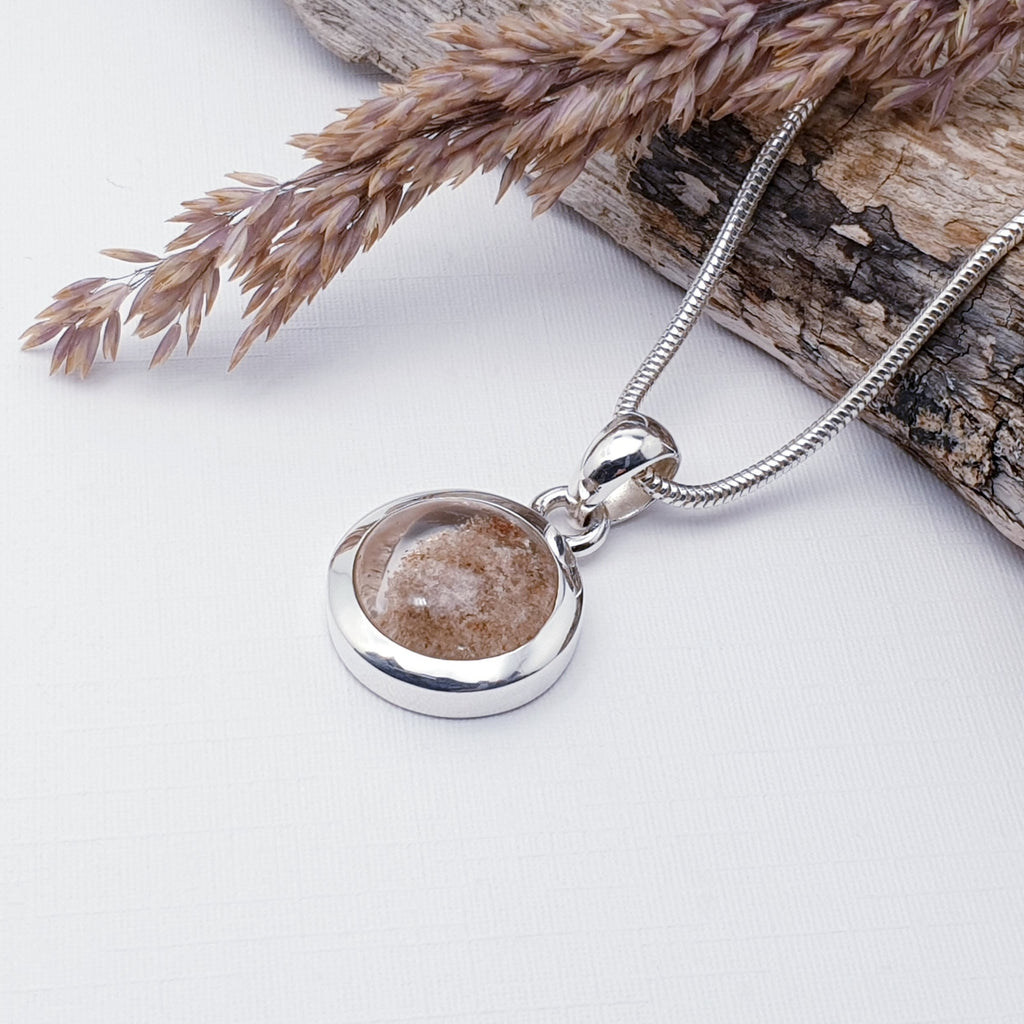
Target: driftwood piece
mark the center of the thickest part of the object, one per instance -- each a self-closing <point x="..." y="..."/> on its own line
<point x="867" y="218"/>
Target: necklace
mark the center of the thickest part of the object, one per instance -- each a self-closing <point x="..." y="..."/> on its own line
<point x="461" y="604"/>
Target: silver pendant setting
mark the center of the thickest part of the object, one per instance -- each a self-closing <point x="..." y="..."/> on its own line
<point x="457" y="604"/>
<point x="461" y="604"/>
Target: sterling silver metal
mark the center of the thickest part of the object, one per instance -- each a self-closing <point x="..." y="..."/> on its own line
<point x="449" y="688"/>
<point x="630" y="446"/>
<point x="719" y="256"/>
<point x="591" y="528"/>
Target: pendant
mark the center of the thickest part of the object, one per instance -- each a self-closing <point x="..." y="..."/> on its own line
<point x="461" y="604"/>
<point x="455" y="603"/>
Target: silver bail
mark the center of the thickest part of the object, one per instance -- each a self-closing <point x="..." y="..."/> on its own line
<point x="629" y="446"/>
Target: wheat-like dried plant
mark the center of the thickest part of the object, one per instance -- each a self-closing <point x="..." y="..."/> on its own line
<point x="544" y="92"/>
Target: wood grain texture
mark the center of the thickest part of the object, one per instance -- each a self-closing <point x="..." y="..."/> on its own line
<point x="869" y="216"/>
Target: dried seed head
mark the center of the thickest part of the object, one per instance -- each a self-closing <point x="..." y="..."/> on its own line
<point x="543" y="90"/>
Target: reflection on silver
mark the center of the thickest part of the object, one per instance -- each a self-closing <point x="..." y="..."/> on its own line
<point x="631" y="446"/>
<point x="439" y="686"/>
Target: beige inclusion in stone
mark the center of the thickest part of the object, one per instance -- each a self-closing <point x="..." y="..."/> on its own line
<point x="477" y="586"/>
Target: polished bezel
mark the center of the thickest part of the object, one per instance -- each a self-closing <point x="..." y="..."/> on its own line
<point x="438" y="686"/>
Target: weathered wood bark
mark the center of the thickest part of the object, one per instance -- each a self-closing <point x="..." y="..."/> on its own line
<point x="864" y="222"/>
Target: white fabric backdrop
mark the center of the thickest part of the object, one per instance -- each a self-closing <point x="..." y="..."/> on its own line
<point x="780" y="782"/>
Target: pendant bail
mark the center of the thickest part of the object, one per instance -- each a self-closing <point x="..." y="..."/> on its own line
<point x="630" y="446"/>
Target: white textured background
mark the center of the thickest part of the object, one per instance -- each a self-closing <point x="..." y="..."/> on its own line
<point x="782" y="780"/>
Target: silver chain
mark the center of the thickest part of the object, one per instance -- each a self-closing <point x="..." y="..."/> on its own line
<point x="895" y="358"/>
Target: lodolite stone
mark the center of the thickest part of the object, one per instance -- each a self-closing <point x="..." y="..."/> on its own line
<point x="456" y="579"/>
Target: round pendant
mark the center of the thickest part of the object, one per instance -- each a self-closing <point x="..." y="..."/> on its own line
<point x="455" y="603"/>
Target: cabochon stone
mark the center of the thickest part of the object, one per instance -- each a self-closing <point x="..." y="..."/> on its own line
<point x="458" y="581"/>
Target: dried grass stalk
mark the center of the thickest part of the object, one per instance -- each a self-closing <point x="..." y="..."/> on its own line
<point x="544" y="92"/>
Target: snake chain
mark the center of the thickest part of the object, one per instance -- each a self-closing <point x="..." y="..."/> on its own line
<point x="714" y="266"/>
